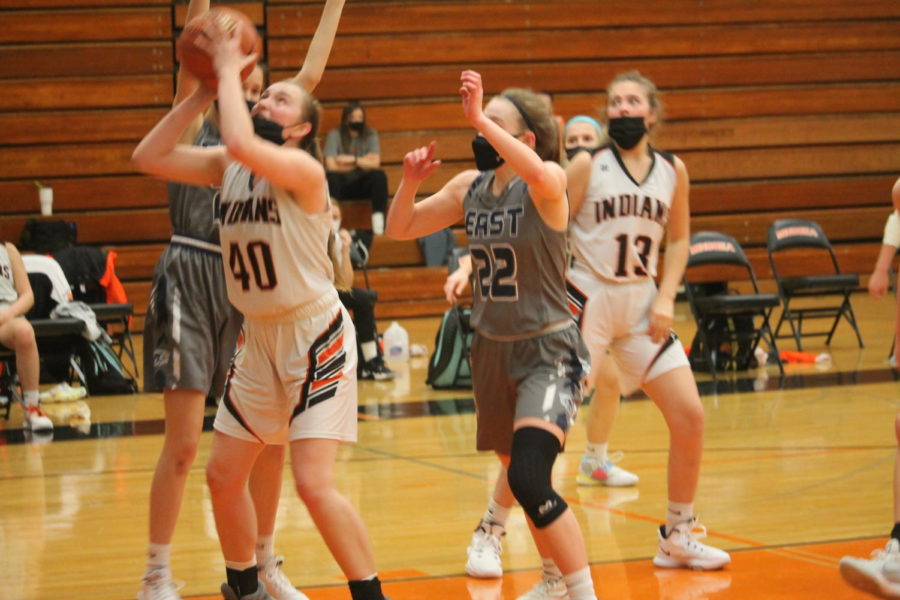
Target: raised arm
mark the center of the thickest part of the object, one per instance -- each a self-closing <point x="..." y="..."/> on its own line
<point x="185" y="83"/>
<point x="546" y="179"/>
<point x="160" y="154"/>
<point x="285" y="167"/>
<point x="678" y="233"/>
<point x="320" y="47"/>
<point x="408" y="219"/>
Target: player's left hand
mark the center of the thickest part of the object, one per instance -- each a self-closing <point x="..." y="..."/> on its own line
<point x="661" y="316"/>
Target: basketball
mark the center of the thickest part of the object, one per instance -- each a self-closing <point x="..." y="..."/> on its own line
<point x="197" y="61"/>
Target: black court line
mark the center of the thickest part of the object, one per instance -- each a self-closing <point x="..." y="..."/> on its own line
<point x="466" y="405"/>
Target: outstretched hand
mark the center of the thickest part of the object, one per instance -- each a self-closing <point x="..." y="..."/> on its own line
<point x="419" y="164"/>
<point x="472" y="92"/>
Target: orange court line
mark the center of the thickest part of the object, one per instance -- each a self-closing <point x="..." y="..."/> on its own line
<point x="753" y="575"/>
<point x="631" y="515"/>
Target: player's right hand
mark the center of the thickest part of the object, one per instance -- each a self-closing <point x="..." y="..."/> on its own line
<point x="878" y="284"/>
<point x="419" y="164"/>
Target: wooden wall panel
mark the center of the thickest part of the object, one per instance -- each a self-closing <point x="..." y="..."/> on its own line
<point x="84" y="60"/>
<point x="561" y="45"/>
<point x="78" y="125"/>
<point x="287" y="19"/>
<point x="85" y="25"/>
<point x="576" y="76"/>
<point x="88" y="192"/>
<point x="72" y="93"/>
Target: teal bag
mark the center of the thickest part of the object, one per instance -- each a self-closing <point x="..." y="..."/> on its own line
<point x="449" y="367"/>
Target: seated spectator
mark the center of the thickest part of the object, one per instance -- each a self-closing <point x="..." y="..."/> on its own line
<point x="360" y="302"/>
<point x="352" y="161"/>
<point x="581" y="133"/>
<point x="17" y="334"/>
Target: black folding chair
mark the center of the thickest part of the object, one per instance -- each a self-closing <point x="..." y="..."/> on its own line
<point x="55" y="338"/>
<point x="717" y="256"/>
<point x="8" y="384"/>
<point x="800" y="246"/>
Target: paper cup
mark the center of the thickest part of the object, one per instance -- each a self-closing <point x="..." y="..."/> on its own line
<point x="46" y="196"/>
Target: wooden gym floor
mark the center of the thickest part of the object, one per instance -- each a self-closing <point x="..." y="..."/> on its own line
<point x="796" y="473"/>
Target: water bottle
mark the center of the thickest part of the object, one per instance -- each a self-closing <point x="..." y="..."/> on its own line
<point x="396" y="342"/>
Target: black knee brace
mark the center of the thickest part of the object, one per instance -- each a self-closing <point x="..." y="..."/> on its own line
<point x="534" y="451"/>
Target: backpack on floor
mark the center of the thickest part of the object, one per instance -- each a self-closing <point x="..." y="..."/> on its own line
<point x="449" y="367"/>
<point x="102" y="369"/>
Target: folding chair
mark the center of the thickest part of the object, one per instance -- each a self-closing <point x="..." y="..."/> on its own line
<point x="55" y="337"/>
<point x="8" y="385"/>
<point x="720" y="257"/>
<point x="820" y="276"/>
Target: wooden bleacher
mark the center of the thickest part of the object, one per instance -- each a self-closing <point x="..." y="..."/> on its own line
<point x="779" y="108"/>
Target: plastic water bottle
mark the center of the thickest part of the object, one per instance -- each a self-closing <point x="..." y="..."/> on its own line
<point x="396" y="342"/>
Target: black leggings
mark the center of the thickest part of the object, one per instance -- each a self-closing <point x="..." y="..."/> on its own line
<point x="361" y="184"/>
<point x="362" y="304"/>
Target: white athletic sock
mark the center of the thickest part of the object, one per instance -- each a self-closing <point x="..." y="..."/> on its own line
<point x="240" y="566"/>
<point x="369" y="350"/>
<point x="597" y="452"/>
<point x="495" y="514"/>
<point x="265" y="548"/>
<point x="549" y="570"/>
<point x="678" y="512"/>
<point x="31" y="397"/>
<point x="580" y="585"/>
<point x="158" y="555"/>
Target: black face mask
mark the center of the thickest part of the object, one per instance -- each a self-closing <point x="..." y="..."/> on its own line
<point x="486" y="158"/>
<point x="356" y="126"/>
<point x="626" y="132"/>
<point x="571" y="152"/>
<point x="268" y="130"/>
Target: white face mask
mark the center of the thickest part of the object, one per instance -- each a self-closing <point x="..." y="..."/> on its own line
<point x="335" y="225"/>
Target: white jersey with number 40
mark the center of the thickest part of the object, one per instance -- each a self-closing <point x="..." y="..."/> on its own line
<point x="621" y="223"/>
<point x="275" y="255"/>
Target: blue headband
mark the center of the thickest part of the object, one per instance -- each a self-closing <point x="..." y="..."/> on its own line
<point x="585" y="119"/>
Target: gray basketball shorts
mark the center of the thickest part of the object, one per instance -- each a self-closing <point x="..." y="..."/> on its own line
<point x="537" y="377"/>
<point x="191" y="328"/>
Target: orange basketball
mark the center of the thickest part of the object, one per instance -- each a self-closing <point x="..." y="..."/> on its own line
<point x="197" y="61"/>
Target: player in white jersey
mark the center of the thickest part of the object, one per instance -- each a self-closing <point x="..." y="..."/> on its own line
<point x="189" y="339"/>
<point x="294" y="379"/>
<point x="624" y="199"/>
<point x="16" y="333"/>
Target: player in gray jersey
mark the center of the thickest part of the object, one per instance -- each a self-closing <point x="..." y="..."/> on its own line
<point x="190" y="335"/>
<point x="528" y="360"/>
